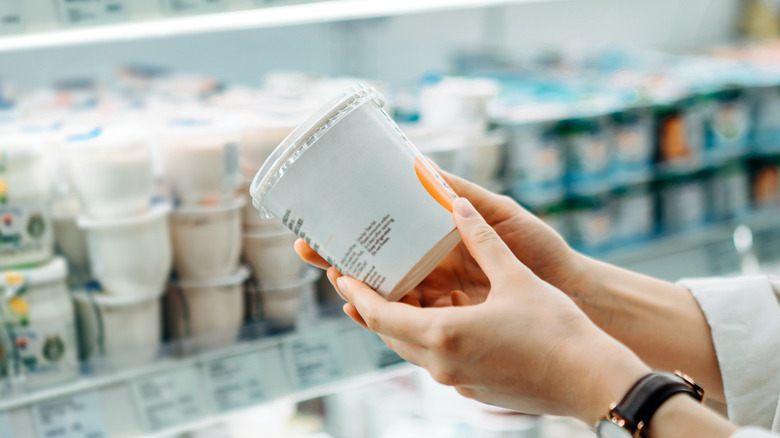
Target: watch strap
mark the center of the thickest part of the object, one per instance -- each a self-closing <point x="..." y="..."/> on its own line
<point x="648" y="394"/>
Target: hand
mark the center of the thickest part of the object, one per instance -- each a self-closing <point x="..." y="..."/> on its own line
<point x="526" y="347"/>
<point x="532" y="242"/>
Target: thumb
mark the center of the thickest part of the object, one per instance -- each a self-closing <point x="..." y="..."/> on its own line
<point x="484" y="244"/>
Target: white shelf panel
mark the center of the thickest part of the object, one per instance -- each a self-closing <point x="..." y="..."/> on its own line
<point x="265" y="17"/>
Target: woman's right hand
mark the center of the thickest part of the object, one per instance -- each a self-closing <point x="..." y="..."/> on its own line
<point x="533" y="242"/>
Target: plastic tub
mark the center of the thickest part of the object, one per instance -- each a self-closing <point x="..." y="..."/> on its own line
<point x="728" y="193"/>
<point x="209" y="312"/>
<point x="25" y="227"/>
<point x="110" y="172"/>
<point x="122" y="332"/>
<point x="70" y="240"/>
<point x="287" y="304"/>
<point x="588" y="150"/>
<point x="684" y="205"/>
<point x="633" y="214"/>
<point x="39" y="313"/>
<point x="535" y="161"/>
<point x="485" y="158"/>
<point x="202" y="160"/>
<point x="350" y="183"/>
<point x="632" y="136"/>
<point x="457" y="103"/>
<point x="259" y="138"/>
<point x="130" y="256"/>
<point x="253" y="222"/>
<point x="207" y="240"/>
<point x="272" y="256"/>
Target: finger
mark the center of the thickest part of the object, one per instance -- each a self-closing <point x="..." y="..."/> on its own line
<point x="459" y="298"/>
<point x="333" y="275"/>
<point x="483" y="243"/>
<point x="412" y="353"/>
<point x="394" y="319"/>
<point x="352" y="312"/>
<point x="309" y="255"/>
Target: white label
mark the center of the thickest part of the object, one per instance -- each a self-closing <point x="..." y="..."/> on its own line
<point x="169" y="399"/>
<point x="78" y="416"/>
<point x="78" y="12"/>
<point x="25" y="227"/>
<point x="11" y="16"/>
<point x="6" y="429"/>
<point x="365" y="200"/>
<point x="236" y="382"/>
<point x="313" y="361"/>
<point x="193" y="6"/>
<point x="47" y="352"/>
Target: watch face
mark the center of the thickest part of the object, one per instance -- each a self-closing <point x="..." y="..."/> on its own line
<point x="608" y="429"/>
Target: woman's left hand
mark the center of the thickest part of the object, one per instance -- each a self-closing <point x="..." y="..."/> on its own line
<point x="527" y="347"/>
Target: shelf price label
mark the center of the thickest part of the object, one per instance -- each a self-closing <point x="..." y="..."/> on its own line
<point x="240" y="381"/>
<point x="11" y="16"/>
<point x="314" y="360"/>
<point x="78" y="416"/>
<point x="169" y="399"/>
<point x="6" y="429"/>
<point x="85" y="12"/>
<point x="185" y="7"/>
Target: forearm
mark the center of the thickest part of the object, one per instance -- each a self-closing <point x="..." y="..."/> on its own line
<point x="660" y="321"/>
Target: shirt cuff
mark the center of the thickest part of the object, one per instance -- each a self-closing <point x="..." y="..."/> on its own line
<point x="744" y="319"/>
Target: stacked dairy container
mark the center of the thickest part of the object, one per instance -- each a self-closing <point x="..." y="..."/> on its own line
<point x="127" y="241"/>
<point x="453" y="129"/>
<point x="38" y="345"/>
<point x="283" y="293"/>
<point x="205" y="306"/>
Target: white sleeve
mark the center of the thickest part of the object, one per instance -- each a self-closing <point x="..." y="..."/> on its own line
<point x="751" y="432"/>
<point x="744" y="319"/>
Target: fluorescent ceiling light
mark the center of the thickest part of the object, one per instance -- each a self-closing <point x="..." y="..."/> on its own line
<point x="318" y="12"/>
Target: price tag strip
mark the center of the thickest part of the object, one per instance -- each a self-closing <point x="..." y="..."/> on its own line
<point x="11" y="16"/>
<point x="169" y="399"/>
<point x="245" y="380"/>
<point x="85" y="12"/>
<point x="175" y="7"/>
<point x="313" y="360"/>
<point x="78" y="416"/>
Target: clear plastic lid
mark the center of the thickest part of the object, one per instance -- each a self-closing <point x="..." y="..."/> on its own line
<point x="303" y="137"/>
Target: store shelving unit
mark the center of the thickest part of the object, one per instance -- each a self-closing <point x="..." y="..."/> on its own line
<point x="176" y="395"/>
<point x="201" y="18"/>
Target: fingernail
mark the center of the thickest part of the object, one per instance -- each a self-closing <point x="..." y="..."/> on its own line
<point x="342" y="285"/>
<point x="463" y="208"/>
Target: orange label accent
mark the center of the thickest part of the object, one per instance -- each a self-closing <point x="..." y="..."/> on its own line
<point x="19" y="306"/>
<point x="14" y="278"/>
<point x="432" y="185"/>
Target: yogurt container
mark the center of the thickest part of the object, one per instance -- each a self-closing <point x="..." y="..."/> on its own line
<point x="766" y="123"/>
<point x="535" y="162"/>
<point x="259" y="137"/>
<point x="633" y="214"/>
<point x="70" y="240"/>
<point x="352" y="185"/>
<point x="119" y="331"/>
<point x="110" y="171"/>
<point x="201" y="159"/>
<point x="680" y="131"/>
<point x="207" y="239"/>
<point x="39" y="315"/>
<point x="728" y="193"/>
<point x="485" y="158"/>
<point x="590" y="222"/>
<point x="271" y="255"/>
<point x="459" y="103"/>
<point x="765" y="186"/>
<point x="589" y="153"/>
<point x="130" y="256"/>
<point x="634" y="145"/>
<point x="728" y="124"/>
<point x="684" y="205"/>
<point x="209" y="313"/>
<point x="25" y="224"/>
<point x="287" y="304"/>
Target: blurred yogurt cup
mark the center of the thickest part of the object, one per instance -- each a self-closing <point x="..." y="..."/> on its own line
<point x="208" y="311"/>
<point x="207" y="239"/>
<point x="352" y="185"/>
<point x="130" y="256"/>
<point x="271" y="254"/>
<point x="287" y="303"/>
<point x="201" y="159"/>
<point x="110" y="171"/>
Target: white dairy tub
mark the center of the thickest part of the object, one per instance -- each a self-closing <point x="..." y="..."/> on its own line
<point x="26" y="227"/>
<point x="207" y="239"/>
<point x="120" y="332"/>
<point x="70" y="240"/>
<point x="130" y="256"/>
<point x="272" y="255"/>
<point x="39" y="313"/>
<point x="259" y="138"/>
<point x="110" y="171"/>
<point x="354" y="187"/>
<point x="286" y="304"/>
<point x="201" y="160"/>
<point x="207" y="312"/>
<point x="457" y="103"/>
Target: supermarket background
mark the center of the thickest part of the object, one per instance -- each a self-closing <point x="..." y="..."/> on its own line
<point x="143" y="295"/>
